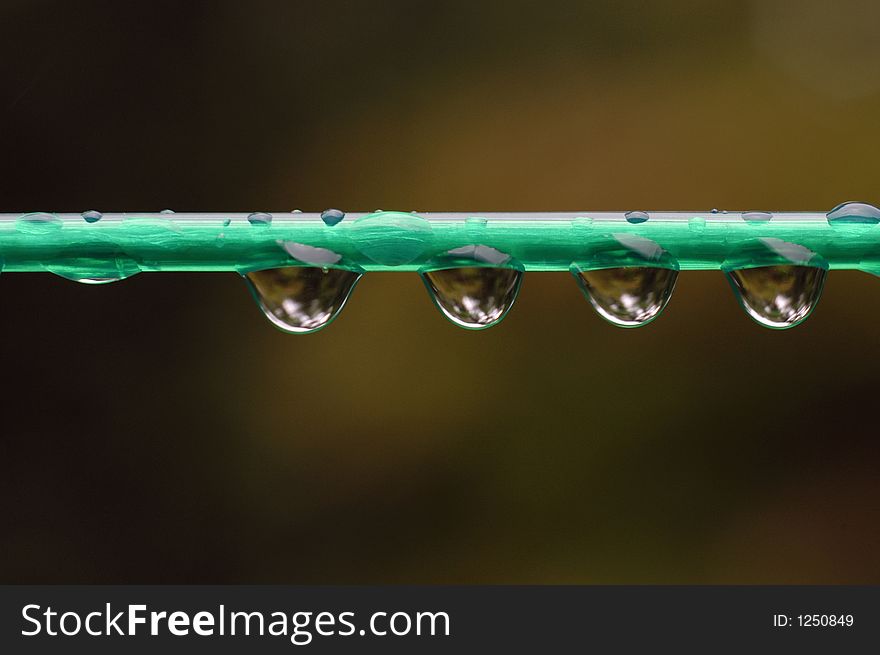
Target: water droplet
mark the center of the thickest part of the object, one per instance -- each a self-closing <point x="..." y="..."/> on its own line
<point x="302" y="299"/>
<point x="297" y="211"/>
<point x="778" y="296"/>
<point x="92" y="216"/>
<point x="854" y="212"/>
<point x="167" y="211"/>
<point x="714" y="210"/>
<point x="260" y="218"/>
<point x="226" y="222"/>
<point x="38" y="223"/>
<point x="636" y="217"/>
<point x="476" y="221"/>
<point x="391" y="238"/>
<point x="756" y="217"/>
<point x="332" y="216"/>
<point x="628" y="296"/>
<point x="474" y="297"/>
<point x="94" y="270"/>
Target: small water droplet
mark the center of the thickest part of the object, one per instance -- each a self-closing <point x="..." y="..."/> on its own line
<point x="226" y="222"/>
<point x="297" y="211"/>
<point x="92" y="216"/>
<point x="332" y="216"/>
<point x="260" y="218"/>
<point x="854" y="212"/>
<point x="714" y="210"/>
<point x="302" y="299"/>
<point x="780" y="296"/>
<point x="476" y="221"/>
<point x="636" y="217"/>
<point x="628" y="296"/>
<point x="167" y="211"/>
<point x="756" y="217"/>
<point x="474" y="297"/>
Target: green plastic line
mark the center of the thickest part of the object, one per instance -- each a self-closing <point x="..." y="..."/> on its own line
<point x="116" y="245"/>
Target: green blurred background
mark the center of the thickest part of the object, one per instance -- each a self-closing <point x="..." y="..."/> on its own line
<point x="160" y="430"/>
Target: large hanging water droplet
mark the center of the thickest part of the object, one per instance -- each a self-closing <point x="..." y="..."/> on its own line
<point x="854" y="212"/>
<point x="629" y="296"/>
<point x="302" y="299"/>
<point x="778" y="296"/>
<point x="474" y="297"/>
<point x="332" y="216"/>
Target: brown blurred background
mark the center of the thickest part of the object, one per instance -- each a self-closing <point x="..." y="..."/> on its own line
<point x="160" y="430"/>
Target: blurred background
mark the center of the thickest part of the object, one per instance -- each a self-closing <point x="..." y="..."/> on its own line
<point x="160" y="430"/>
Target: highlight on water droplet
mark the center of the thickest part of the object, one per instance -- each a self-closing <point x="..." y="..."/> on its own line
<point x="636" y="217"/>
<point x="92" y="216"/>
<point x="260" y="218"/>
<point x="473" y="286"/>
<point x="778" y="296"/>
<point x="756" y="217"/>
<point x="302" y="299"/>
<point x="627" y="296"/>
<point x="167" y="211"/>
<point x="332" y="217"/>
<point x="854" y="212"/>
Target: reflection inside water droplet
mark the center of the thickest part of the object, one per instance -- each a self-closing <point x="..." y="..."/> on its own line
<point x="628" y="296"/>
<point x="778" y="296"/>
<point x="474" y="297"/>
<point x="302" y="299"/>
